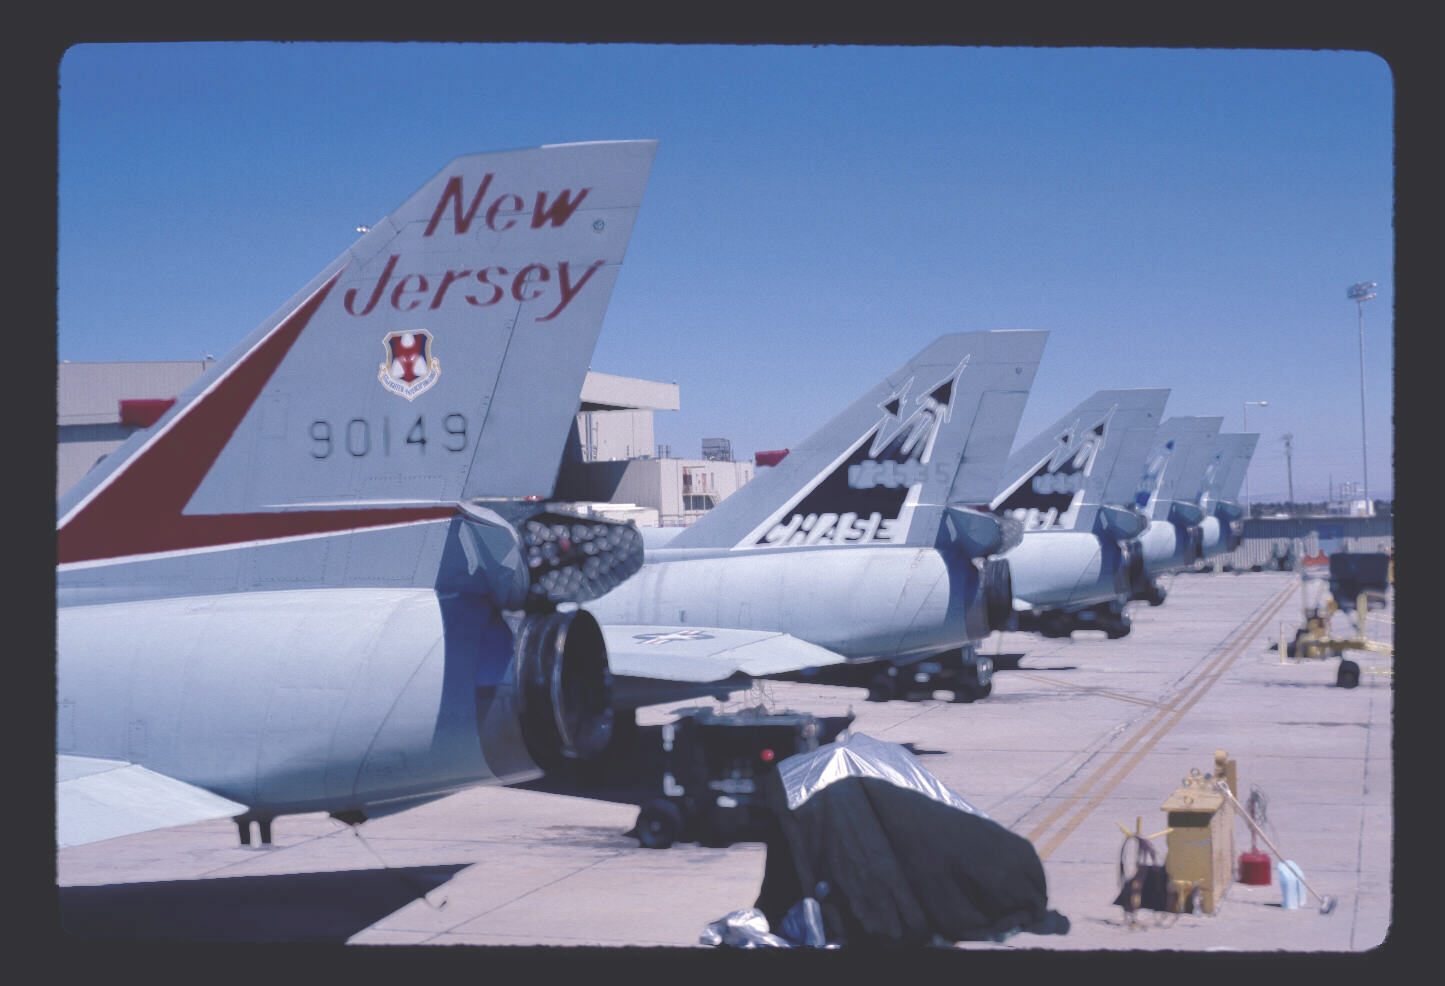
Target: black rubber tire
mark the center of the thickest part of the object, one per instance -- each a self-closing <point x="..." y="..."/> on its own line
<point x="1054" y="624"/>
<point x="659" y="823"/>
<point x="1349" y="674"/>
<point x="882" y="688"/>
<point x="966" y="692"/>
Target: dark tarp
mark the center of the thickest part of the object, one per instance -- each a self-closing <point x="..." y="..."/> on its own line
<point x="894" y="864"/>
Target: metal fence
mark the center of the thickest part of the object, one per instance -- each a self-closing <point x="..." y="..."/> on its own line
<point x="1285" y="553"/>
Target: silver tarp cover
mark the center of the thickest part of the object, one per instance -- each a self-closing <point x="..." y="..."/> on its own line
<point x="860" y="755"/>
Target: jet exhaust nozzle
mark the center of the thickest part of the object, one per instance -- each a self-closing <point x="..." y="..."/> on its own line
<point x="1130" y="577"/>
<point x="1134" y="565"/>
<point x="564" y="687"/>
<point x="1235" y="535"/>
<point x="998" y="592"/>
<point x="1193" y="544"/>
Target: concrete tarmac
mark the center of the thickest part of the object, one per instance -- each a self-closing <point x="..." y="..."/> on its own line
<point x="1080" y="737"/>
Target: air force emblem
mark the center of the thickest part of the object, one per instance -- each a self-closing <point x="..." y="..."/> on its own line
<point x="409" y="368"/>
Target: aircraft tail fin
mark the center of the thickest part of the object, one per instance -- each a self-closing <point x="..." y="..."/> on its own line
<point x="1173" y="475"/>
<point x="931" y="435"/>
<point x="438" y="359"/>
<point x="1224" y="473"/>
<point x="1082" y="469"/>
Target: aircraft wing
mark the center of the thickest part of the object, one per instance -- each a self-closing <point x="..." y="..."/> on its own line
<point x="104" y="799"/>
<point x="706" y="654"/>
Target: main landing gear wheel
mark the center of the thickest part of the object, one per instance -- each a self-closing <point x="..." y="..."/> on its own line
<point x="967" y="691"/>
<point x="882" y="688"/>
<point x="659" y="823"/>
<point x="1054" y="624"/>
<point x="973" y="680"/>
<point x="1349" y="674"/>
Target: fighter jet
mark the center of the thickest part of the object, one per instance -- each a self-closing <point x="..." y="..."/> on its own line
<point x="867" y="544"/>
<point x="1072" y="487"/>
<point x="1169" y="494"/>
<point x="316" y="582"/>
<point x="1222" y="526"/>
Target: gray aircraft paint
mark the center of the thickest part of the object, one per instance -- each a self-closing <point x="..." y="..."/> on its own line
<point x="1222" y="484"/>
<point x="930" y="436"/>
<point x="1072" y="486"/>
<point x="863" y="603"/>
<point x="963" y="447"/>
<point x="1182" y="448"/>
<point x="276" y="593"/>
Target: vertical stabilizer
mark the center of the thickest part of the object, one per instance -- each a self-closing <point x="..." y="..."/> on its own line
<point x="933" y="433"/>
<point x="1224" y="474"/>
<point x="1174" y="472"/>
<point x="1089" y="458"/>
<point x="439" y="358"/>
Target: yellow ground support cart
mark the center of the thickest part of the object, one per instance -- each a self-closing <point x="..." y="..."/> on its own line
<point x="1358" y="584"/>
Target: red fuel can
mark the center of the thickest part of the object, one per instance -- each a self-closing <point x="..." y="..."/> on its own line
<point x="1254" y="868"/>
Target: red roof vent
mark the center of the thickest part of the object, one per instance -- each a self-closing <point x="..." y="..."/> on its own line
<point x="144" y="412"/>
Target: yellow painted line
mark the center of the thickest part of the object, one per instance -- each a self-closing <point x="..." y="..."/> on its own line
<point x="1146" y="738"/>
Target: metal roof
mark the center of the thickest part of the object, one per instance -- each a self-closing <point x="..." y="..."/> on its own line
<point x="90" y="393"/>
<point x="605" y="392"/>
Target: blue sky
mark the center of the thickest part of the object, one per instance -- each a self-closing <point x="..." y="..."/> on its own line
<point x="1176" y="218"/>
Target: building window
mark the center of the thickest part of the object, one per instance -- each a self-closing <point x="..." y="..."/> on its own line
<point x="694" y="479"/>
<point x="697" y="502"/>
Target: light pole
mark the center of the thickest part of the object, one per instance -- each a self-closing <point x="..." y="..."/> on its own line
<point x="1247" y="406"/>
<point x="1359" y="294"/>
<point x="1289" y="467"/>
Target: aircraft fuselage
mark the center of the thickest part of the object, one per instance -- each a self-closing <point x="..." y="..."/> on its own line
<point x="294" y="700"/>
<point x="1062" y="569"/>
<point x="1217" y="536"/>
<point x="864" y="603"/>
<point x="1166" y="546"/>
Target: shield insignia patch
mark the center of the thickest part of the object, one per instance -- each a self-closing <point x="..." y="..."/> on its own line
<point x="409" y="368"/>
